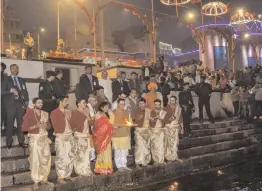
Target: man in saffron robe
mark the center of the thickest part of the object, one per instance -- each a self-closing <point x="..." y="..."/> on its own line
<point x="157" y="120"/>
<point x="80" y="121"/>
<point x="151" y="96"/>
<point x="142" y="134"/>
<point x="64" y="142"/>
<point x="36" y="123"/>
<point x="121" y="137"/>
<point x="172" y="129"/>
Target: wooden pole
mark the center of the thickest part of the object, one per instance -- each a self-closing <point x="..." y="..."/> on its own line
<point x="153" y="31"/>
<point x="2" y="26"/>
<point x="102" y="36"/>
<point x="38" y="45"/>
<point x="94" y="31"/>
<point x="176" y="9"/>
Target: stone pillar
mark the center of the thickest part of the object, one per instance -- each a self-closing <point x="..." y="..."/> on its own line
<point x="244" y="61"/>
<point x="209" y="52"/>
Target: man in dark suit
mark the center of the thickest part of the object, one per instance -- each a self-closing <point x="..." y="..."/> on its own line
<point x="164" y="89"/>
<point x="59" y="85"/>
<point x="159" y="66"/>
<point x="15" y="96"/>
<point x="187" y="106"/>
<point x="204" y="90"/>
<point x="88" y="82"/>
<point x="3" y="112"/>
<point x="146" y="69"/>
<point x="120" y="85"/>
<point x="134" y="83"/>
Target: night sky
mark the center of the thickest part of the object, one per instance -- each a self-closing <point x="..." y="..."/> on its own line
<point x="35" y="14"/>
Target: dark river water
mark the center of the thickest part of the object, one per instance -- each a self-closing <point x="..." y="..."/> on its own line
<point x="246" y="176"/>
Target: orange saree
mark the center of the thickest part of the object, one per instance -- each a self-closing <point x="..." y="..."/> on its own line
<point x="103" y="134"/>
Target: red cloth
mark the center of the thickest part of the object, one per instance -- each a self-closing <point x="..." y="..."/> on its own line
<point x="103" y="134"/>
<point x="77" y="121"/>
<point x="58" y="120"/>
<point x="29" y="120"/>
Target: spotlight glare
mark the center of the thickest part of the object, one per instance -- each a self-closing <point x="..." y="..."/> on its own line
<point x="246" y="36"/>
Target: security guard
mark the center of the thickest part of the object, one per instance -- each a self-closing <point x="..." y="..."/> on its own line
<point x="15" y="98"/>
<point x="47" y="94"/>
<point x="187" y="106"/>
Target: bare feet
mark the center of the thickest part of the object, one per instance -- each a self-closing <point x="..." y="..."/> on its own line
<point x="61" y="181"/>
<point x="72" y="178"/>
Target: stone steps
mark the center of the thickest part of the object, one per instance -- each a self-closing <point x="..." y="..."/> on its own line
<point x="218" y="131"/>
<point x="226" y="140"/>
<point x="194" y="126"/>
<point x="200" y="141"/>
<point x="20" y="162"/>
<point x="213" y="148"/>
<point x="16" y="164"/>
<point x="119" y="180"/>
<point x="219" y="124"/>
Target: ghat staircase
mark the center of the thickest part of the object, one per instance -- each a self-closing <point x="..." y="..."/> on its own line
<point x="211" y="146"/>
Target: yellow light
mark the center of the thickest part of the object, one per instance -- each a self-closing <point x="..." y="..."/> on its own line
<point x="259" y="16"/>
<point x="42" y="30"/>
<point x="241" y="12"/>
<point x="246" y="36"/>
<point x="191" y="15"/>
<point x="129" y="123"/>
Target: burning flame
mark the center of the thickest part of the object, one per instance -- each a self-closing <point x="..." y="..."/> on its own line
<point x="129" y="123"/>
<point x="174" y="186"/>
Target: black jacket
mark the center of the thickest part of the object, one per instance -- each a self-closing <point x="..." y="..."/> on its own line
<point x="117" y="87"/>
<point x="185" y="98"/>
<point x="59" y="87"/>
<point x="87" y="86"/>
<point x="8" y="97"/>
<point x="47" y="94"/>
<point x="135" y="85"/>
<point x="203" y="90"/>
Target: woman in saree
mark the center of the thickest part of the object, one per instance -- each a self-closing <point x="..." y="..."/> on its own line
<point x="103" y="133"/>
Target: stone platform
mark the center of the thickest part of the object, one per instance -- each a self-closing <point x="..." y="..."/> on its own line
<point x="211" y="145"/>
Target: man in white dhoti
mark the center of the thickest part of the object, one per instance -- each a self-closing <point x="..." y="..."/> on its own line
<point x="80" y="121"/>
<point x="106" y="83"/>
<point x="121" y="137"/>
<point x="172" y="129"/>
<point x="142" y="134"/>
<point x="157" y="120"/>
<point x="36" y="123"/>
<point x="64" y="142"/>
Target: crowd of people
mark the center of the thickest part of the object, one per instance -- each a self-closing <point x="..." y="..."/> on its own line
<point x="140" y="116"/>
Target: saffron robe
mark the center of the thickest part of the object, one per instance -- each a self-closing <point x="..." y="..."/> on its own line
<point x="39" y="144"/>
<point x="64" y="143"/>
<point x="151" y="97"/>
<point x="79" y="122"/>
